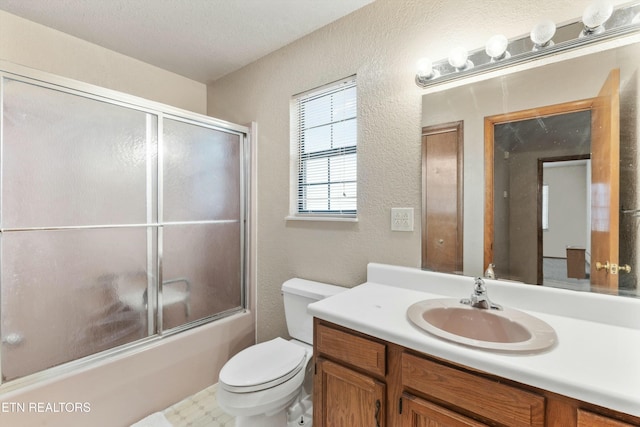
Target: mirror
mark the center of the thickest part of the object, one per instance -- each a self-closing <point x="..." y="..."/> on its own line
<point x="538" y="201"/>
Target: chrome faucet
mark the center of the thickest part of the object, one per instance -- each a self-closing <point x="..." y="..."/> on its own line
<point x="479" y="298"/>
<point x="489" y="273"/>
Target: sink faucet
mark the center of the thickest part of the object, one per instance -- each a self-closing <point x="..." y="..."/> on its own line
<point x="489" y="273"/>
<point x="479" y="297"/>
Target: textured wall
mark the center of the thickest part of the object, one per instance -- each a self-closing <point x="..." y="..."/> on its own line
<point x="381" y="43"/>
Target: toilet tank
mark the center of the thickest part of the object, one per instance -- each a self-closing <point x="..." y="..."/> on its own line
<point x="297" y="295"/>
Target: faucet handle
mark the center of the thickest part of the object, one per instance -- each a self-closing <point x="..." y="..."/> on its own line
<point x="494" y="306"/>
<point x="479" y="288"/>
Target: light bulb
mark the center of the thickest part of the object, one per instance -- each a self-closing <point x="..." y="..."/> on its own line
<point x="496" y="47"/>
<point x="595" y="15"/>
<point x="542" y="33"/>
<point x="458" y="58"/>
<point x="425" y="68"/>
<point x="425" y="72"/>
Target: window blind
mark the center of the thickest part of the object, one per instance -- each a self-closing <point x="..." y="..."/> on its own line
<point x="325" y="139"/>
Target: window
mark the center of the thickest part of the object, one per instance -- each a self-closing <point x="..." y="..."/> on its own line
<point x="324" y="146"/>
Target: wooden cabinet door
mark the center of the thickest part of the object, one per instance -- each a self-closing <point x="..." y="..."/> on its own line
<point x="442" y="186"/>
<point x="417" y="412"/>
<point x="343" y="397"/>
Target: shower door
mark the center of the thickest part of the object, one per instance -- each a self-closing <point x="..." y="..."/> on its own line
<point x="119" y="224"/>
<point x="200" y="211"/>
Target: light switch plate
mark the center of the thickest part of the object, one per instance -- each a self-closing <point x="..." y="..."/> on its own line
<point x="402" y="219"/>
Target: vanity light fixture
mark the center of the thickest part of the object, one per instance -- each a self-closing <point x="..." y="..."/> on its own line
<point x="542" y="34"/>
<point x="594" y="17"/>
<point x="500" y="52"/>
<point x="496" y="48"/>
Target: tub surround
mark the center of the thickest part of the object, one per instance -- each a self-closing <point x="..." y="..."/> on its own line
<point x="595" y="359"/>
<point x="126" y="388"/>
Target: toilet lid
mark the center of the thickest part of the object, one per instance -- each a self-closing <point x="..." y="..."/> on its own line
<point x="263" y="365"/>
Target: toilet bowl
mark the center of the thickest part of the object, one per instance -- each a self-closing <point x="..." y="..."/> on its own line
<point x="264" y="378"/>
<point x="268" y="384"/>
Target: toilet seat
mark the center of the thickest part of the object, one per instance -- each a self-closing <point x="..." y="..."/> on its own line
<point x="262" y="366"/>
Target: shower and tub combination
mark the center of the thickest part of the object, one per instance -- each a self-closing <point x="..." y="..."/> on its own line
<point x="121" y="221"/>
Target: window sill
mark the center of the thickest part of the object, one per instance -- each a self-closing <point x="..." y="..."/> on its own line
<point x="327" y="218"/>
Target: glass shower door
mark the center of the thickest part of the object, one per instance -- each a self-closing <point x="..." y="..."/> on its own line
<point x="77" y="241"/>
<point x="201" y="219"/>
<point x="118" y="224"/>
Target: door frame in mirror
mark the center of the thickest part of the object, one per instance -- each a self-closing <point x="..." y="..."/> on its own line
<point x="541" y="163"/>
<point x="489" y="125"/>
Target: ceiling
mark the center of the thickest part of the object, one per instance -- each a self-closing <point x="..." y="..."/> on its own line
<point x="199" y="39"/>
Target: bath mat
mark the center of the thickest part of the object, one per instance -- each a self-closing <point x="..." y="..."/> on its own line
<point x="199" y="410"/>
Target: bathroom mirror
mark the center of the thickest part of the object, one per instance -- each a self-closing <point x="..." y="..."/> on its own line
<point x="543" y="198"/>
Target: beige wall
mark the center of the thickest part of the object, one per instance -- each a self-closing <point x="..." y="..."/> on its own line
<point x="32" y="45"/>
<point x="127" y="387"/>
<point x="381" y="43"/>
<point x="567" y="209"/>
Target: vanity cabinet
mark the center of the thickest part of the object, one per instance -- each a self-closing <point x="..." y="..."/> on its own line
<point x="349" y="380"/>
<point x="363" y="381"/>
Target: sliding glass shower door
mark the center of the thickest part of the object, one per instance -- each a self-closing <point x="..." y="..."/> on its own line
<point x="201" y="217"/>
<point x="118" y="224"/>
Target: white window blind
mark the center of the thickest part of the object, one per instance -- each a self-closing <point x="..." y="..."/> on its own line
<point x="325" y="139"/>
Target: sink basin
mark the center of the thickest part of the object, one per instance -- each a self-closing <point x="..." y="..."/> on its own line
<point x="506" y="330"/>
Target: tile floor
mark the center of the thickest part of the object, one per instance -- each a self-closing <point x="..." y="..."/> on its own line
<point x="199" y="410"/>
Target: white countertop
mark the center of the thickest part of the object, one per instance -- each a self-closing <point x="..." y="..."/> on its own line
<point x="594" y="360"/>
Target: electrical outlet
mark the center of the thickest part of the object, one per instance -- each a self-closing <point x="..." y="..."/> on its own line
<point x="402" y="219"/>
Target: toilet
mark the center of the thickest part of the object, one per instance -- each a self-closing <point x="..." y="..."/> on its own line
<point x="269" y="384"/>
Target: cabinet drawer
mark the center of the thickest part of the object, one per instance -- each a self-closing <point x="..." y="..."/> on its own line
<point x="589" y="419"/>
<point x="487" y="398"/>
<point x="354" y="350"/>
